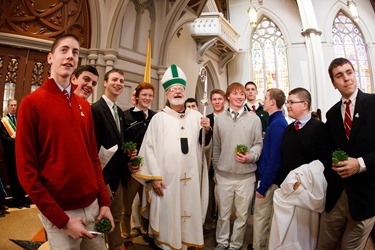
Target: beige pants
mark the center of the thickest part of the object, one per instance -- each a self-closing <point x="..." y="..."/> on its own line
<point x="262" y="219"/>
<point x="238" y="192"/>
<point x="58" y="239"/>
<point x="338" y="227"/>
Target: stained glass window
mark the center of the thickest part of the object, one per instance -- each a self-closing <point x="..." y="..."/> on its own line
<point x="348" y="42"/>
<point x="270" y="67"/>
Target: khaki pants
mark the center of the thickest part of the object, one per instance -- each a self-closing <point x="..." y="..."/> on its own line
<point x="238" y="192"/>
<point x="337" y="227"/>
<point x="58" y="239"/>
<point x="262" y="219"/>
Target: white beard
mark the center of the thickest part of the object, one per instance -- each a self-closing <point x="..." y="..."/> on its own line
<point x="177" y="101"/>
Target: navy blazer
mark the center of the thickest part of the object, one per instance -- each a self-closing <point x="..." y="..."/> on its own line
<point x="107" y="135"/>
<point x="359" y="187"/>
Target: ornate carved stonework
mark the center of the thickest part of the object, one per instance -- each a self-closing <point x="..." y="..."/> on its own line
<point x="46" y="19"/>
<point x="37" y="76"/>
<point x="11" y="75"/>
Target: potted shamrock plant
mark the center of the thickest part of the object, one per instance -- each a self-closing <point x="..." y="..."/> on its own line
<point x="339" y="155"/>
<point x="243" y="149"/>
<point x="128" y="147"/>
<point x="103" y="225"/>
<point x="137" y="161"/>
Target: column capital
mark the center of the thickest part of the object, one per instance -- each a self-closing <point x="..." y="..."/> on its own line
<point x="308" y="31"/>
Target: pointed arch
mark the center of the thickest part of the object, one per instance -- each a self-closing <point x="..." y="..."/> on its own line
<point x="335" y="9"/>
<point x="263" y="12"/>
<point x="348" y="42"/>
<point x="269" y="57"/>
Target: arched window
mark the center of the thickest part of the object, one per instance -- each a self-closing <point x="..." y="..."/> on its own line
<point x="348" y="42"/>
<point x="270" y="67"/>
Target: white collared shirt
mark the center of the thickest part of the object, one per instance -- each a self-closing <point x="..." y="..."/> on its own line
<point x="110" y="105"/>
<point x="353" y="99"/>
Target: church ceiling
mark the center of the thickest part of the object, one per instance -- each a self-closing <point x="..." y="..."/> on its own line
<point x="46" y="19"/>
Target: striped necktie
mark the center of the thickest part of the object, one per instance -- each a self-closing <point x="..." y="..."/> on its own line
<point x="347" y="119"/>
<point x="66" y="94"/>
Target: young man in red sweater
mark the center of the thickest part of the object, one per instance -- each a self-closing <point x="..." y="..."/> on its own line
<point x="57" y="158"/>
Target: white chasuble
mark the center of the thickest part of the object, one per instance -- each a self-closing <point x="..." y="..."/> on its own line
<point x="295" y="222"/>
<point x="176" y="218"/>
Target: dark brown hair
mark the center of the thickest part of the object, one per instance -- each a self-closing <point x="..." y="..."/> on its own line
<point x="337" y="62"/>
<point x="57" y="40"/>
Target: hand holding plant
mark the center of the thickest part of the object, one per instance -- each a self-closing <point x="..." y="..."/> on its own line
<point x="104" y="225"/>
<point x="129" y="147"/>
<point x="242" y="149"/>
<point x="339" y="155"/>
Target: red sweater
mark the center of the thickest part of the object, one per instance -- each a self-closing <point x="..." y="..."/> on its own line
<point x="56" y="153"/>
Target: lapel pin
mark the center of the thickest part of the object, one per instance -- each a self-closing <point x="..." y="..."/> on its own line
<point x="356" y="115"/>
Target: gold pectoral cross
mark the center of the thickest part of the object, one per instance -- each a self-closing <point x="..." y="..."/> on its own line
<point x="185" y="216"/>
<point x="185" y="179"/>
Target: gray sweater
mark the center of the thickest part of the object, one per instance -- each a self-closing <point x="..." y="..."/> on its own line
<point x="247" y="130"/>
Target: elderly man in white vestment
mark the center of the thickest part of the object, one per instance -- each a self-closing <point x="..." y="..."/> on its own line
<point x="173" y="172"/>
<point x="297" y="207"/>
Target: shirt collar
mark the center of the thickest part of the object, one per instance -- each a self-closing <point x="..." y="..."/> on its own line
<point x="108" y="101"/>
<point x="67" y="88"/>
<point x="250" y="105"/>
<point x="352" y="98"/>
<point x="304" y="120"/>
<point x="136" y="109"/>
<point x="239" y="111"/>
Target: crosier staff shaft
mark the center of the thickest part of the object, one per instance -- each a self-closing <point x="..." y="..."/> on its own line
<point x="204" y="102"/>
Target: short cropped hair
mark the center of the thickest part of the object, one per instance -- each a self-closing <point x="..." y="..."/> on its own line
<point x="106" y="76"/>
<point x="57" y="40"/>
<point x="191" y="99"/>
<point x="10" y="100"/>
<point x="252" y="83"/>
<point x="302" y="94"/>
<point x="217" y="91"/>
<point x="278" y="95"/>
<point x="78" y="71"/>
<point x="337" y="62"/>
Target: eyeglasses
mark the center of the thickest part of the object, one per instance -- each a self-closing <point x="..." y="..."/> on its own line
<point x="175" y="89"/>
<point x="293" y="102"/>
